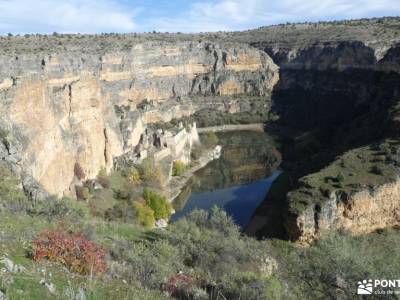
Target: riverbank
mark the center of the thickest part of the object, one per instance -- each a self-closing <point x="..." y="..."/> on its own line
<point x="177" y="183"/>
<point x="259" y="127"/>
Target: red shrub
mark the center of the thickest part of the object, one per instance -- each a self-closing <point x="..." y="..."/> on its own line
<point x="74" y="251"/>
<point x="180" y="284"/>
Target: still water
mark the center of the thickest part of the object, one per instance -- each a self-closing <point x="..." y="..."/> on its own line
<point x="237" y="182"/>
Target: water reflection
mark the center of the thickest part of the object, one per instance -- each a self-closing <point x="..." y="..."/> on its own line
<point x="238" y="181"/>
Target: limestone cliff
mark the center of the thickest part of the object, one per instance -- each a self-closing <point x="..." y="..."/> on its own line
<point x="65" y="108"/>
<point x="363" y="212"/>
<point x="352" y="94"/>
<point x="338" y="91"/>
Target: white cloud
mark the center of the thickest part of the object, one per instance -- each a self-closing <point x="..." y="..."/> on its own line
<point x="244" y="14"/>
<point x="85" y="16"/>
<point x="92" y="16"/>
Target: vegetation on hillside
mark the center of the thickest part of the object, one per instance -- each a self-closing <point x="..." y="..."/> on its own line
<point x="203" y="256"/>
<point x="383" y="30"/>
<point x="178" y="168"/>
<point x="159" y="204"/>
<point x="130" y="195"/>
<point x="210" y="139"/>
<point x="361" y="168"/>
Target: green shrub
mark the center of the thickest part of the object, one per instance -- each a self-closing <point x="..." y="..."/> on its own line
<point x="326" y="189"/>
<point x="228" y="262"/>
<point x="248" y="285"/>
<point x="340" y="177"/>
<point x="144" y="214"/>
<point x="152" y="174"/>
<point x="210" y="139"/>
<point x="122" y="211"/>
<point x="209" y="250"/>
<point x="52" y="207"/>
<point x="159" y="204"/>
<point x="331" y="267"/>
<point x="103" y="179"/>
<point x="134" y="176"/>
<point x="150" y="264"/>
<point x="178" y="168"/>
<point x="212" y="243"/>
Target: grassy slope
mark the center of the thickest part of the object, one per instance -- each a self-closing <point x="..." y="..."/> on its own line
<point x="327" y="269"/>
<point x="18" y="230"/>
<point x="361" y="168"/>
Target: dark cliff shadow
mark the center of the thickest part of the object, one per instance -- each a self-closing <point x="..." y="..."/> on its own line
<point x="267" y="220"/>
<point x="319" y="116"/>
<point x="323" y="114"/>
<point x="248" y="198"/>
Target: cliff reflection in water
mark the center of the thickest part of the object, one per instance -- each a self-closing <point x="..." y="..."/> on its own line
<point x="238" y="181"/>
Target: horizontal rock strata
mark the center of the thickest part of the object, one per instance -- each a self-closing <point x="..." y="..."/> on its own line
<point x="62" y="109"/>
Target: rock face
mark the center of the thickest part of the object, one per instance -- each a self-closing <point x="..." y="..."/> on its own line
<point x="61" y="109"/>
<point x="350" y="78"/>
<point x="88" y="101"/>
<point x="339" y="90"/>
<point x="363" y="212"/>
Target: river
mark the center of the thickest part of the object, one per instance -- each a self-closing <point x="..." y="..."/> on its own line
<point x="237" y="182"/>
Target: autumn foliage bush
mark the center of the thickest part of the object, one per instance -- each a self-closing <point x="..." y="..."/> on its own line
<point x="74" y="251"/>
<point x="180" y="285"/>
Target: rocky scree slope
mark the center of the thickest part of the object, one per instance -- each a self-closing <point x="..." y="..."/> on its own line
<point x="338" y="98"/>
<point x="65" y="106"/>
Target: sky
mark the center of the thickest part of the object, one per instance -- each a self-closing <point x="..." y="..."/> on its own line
<point x="97" y="16"/>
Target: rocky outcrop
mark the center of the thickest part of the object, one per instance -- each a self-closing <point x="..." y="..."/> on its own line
<point x="358" y="193"/>
<point x="339" y="55"/>
<point x="363" y="212"/>
<point x="159" y="145"/>
<point x="62" y="109"/>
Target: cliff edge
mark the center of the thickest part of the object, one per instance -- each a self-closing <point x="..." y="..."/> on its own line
<point x="63" y="108"/>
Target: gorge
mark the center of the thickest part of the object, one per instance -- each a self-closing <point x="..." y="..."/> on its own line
<point x="340" y="94"/>
<point x="237" y="182"/>
<point x="329" y="94"/>
<point x="62" y="109"/>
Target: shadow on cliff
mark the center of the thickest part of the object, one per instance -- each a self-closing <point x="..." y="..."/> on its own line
<point x="319" y="116"/>
<point x="324" y="114"/>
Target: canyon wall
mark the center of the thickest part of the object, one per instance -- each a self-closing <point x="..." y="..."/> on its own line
<point x="348" y="96"/>
<point x="334" y="97"/>
<point x="348" y="77"/>
<point x="66" y="108"/>
<point x="88" y="100"/>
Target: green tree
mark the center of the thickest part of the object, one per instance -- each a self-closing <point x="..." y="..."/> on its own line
<point x="159" y="204"/>
<point x="144" y="214"/>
